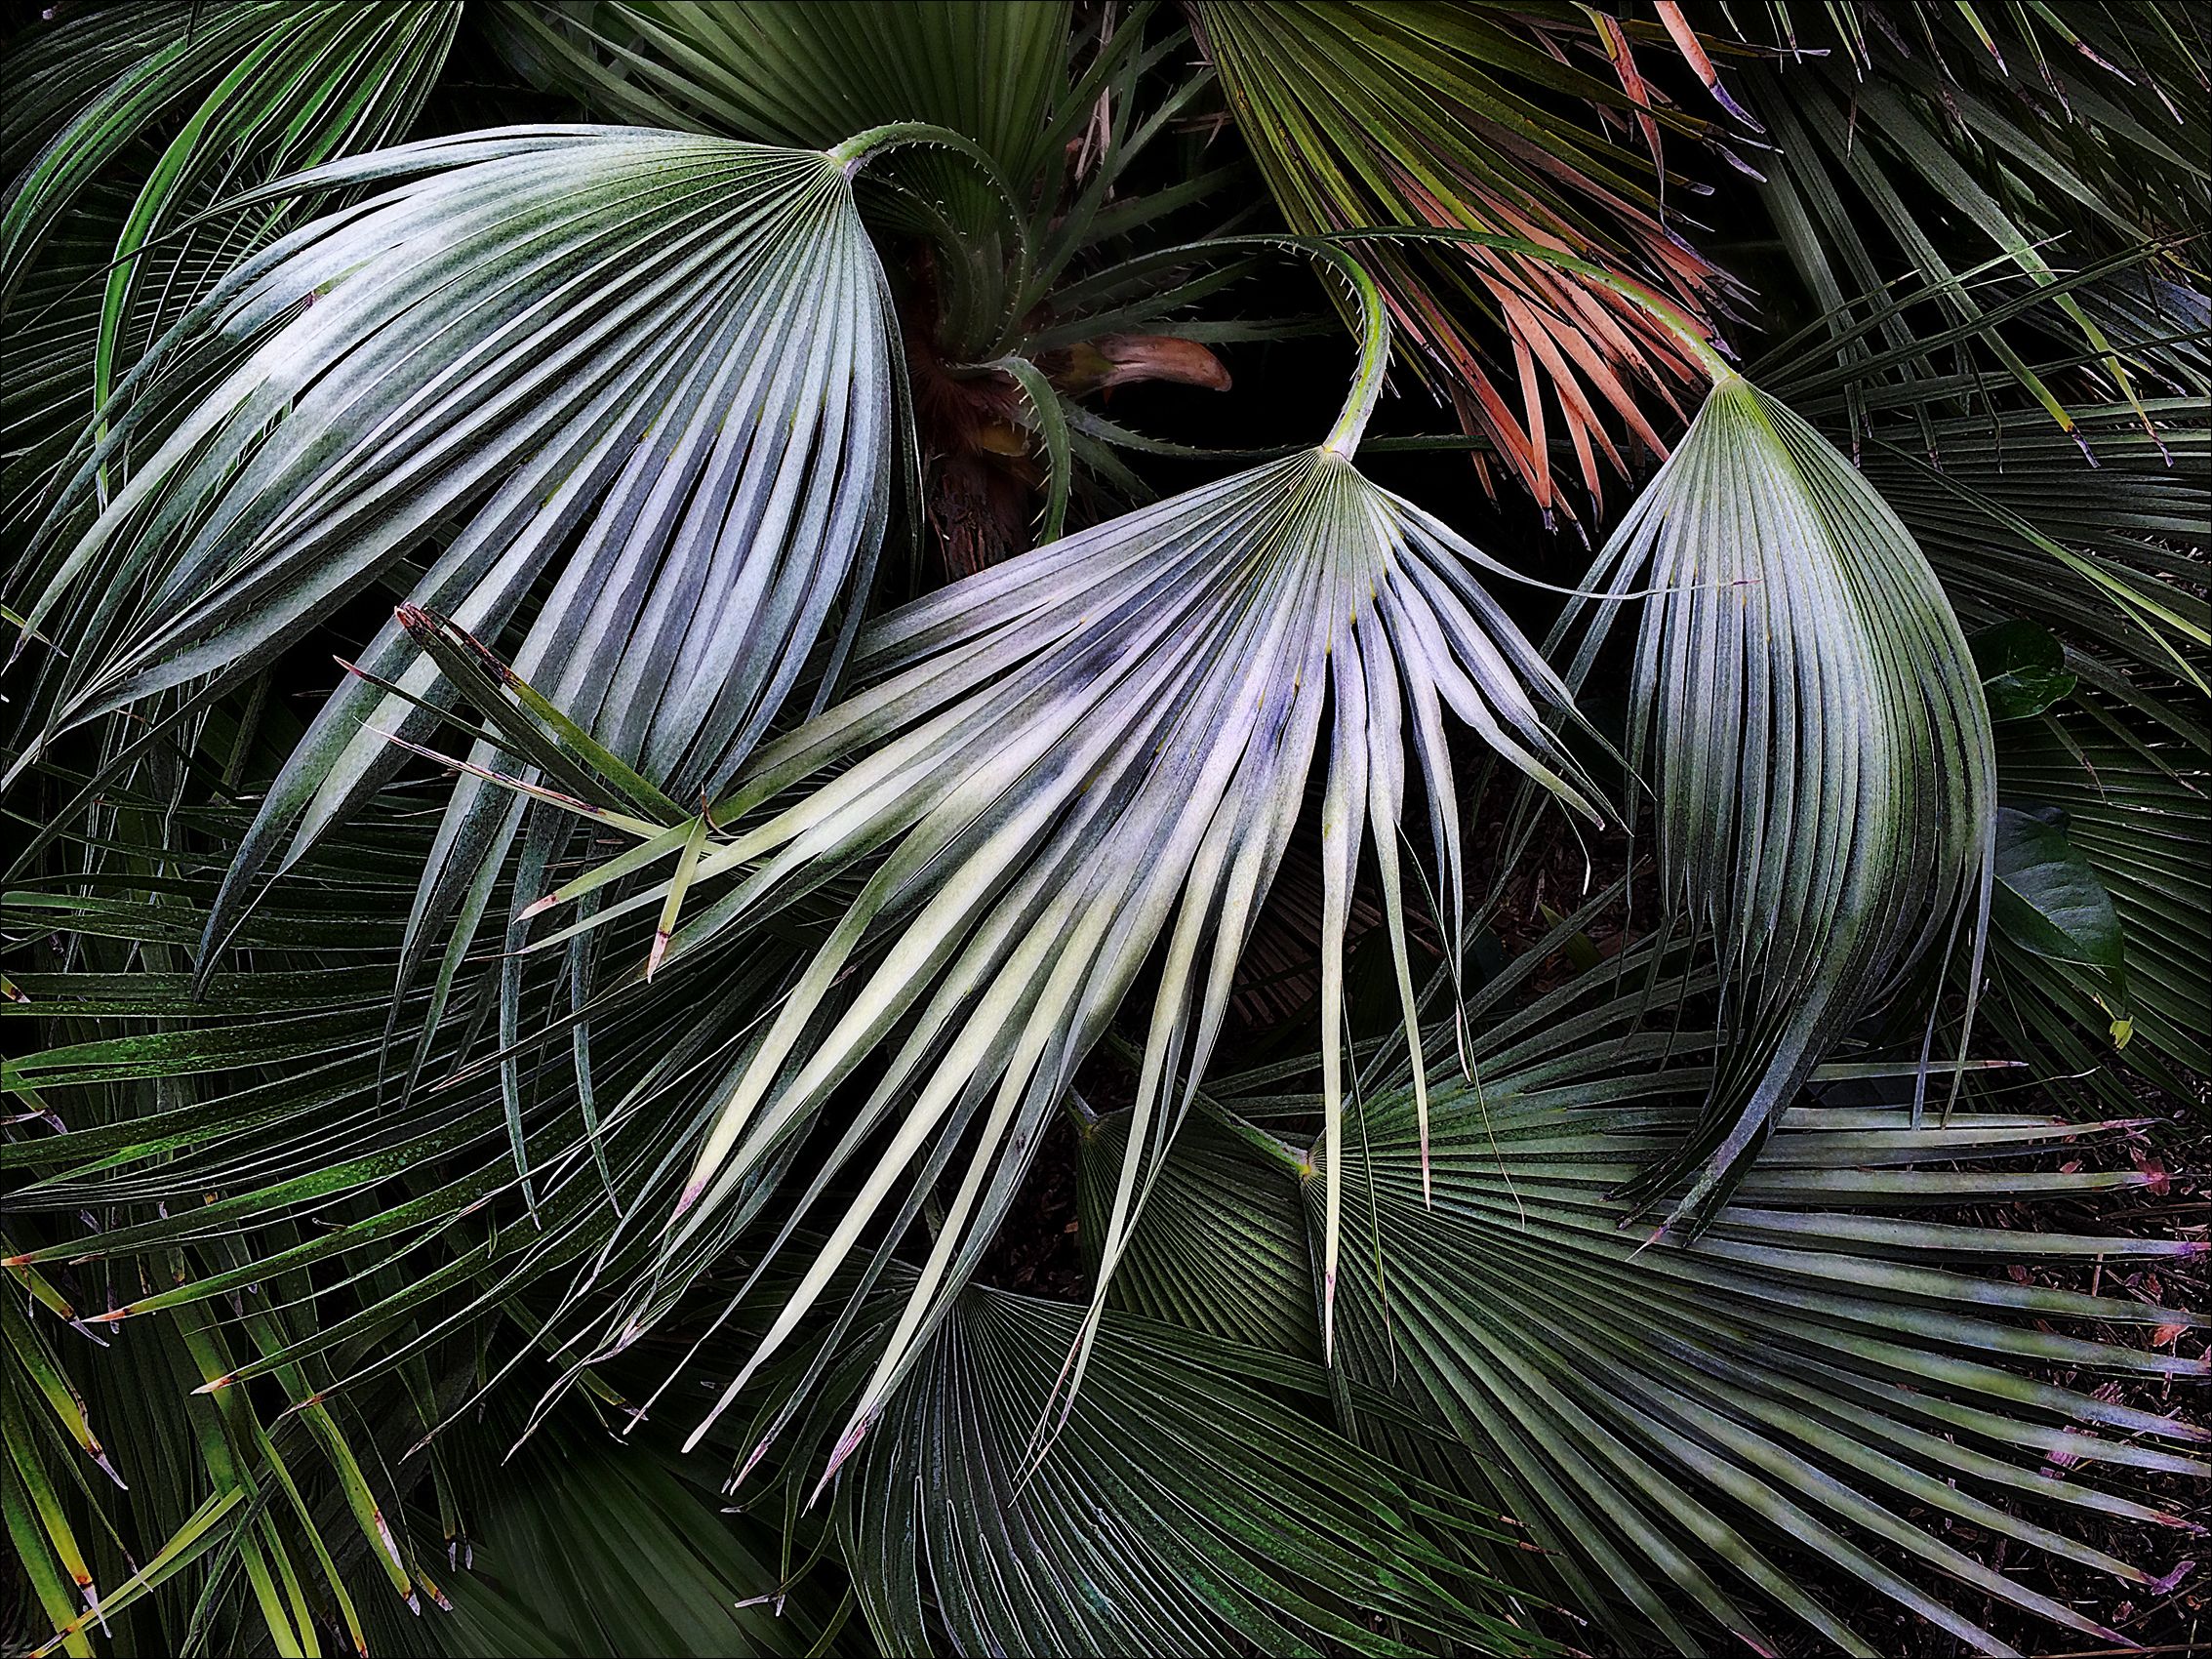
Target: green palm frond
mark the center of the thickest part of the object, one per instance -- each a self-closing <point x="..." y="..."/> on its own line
<point x="1798" y="1367"/>
<point x="1818" y="746"/>
<point x="1684" y="1425"/>
<point x="2100" y="560"/>
<point x="281" y="1103"/>
<point x="266" y="87"/>
<point x="2106" y="547"/>
<point x="1929" y="142"/>
<point x="204" y="1490"/>
<point x="363" y="1247"/>
<point x="1436" y="114"/>
<point x="1060" y="767"/>
<point x="644" y="380"/>
<point x="129" y="120"/>
<point x="1186" y="1505"/>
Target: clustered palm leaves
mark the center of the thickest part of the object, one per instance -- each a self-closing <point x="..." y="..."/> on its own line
<point x="738" y="921"/>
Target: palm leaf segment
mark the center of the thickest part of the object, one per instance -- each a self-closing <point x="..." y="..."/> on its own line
<point x="644" y="376"/>
<point x="1818" y="744"/>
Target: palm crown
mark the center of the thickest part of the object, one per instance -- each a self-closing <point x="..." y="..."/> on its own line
<point x="855" y="927"/>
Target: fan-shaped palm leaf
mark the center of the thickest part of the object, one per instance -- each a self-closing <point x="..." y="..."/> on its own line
<point x="1174" y="1267"/>
<point x="2016" y="524"/>
<point x="1062" y="766"/>
<point x="644" y="379"/>
<point x="1746" y="1371"/>
<point x="1187" y="1507"/>
<point x="1818" y="750"/>
<point x="1819" y="1364"/>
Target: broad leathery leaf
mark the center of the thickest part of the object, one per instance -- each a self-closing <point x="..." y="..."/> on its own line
<point x="2023" y="668"/>
<point x="1065" y="765"/>
<point x="2049" y="901"/>
<point x="1812" y="722"/>
<point x="636" y="388"/>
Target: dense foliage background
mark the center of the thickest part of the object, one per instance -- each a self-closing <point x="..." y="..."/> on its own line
<point x="744" y="916"/>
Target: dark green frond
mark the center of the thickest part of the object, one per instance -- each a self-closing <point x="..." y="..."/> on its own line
<point x="1689" y="1424"/>
<point x="1181" y="1508"/>
<point x="1818" y="746"/>
<point x="127" y="121"/>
